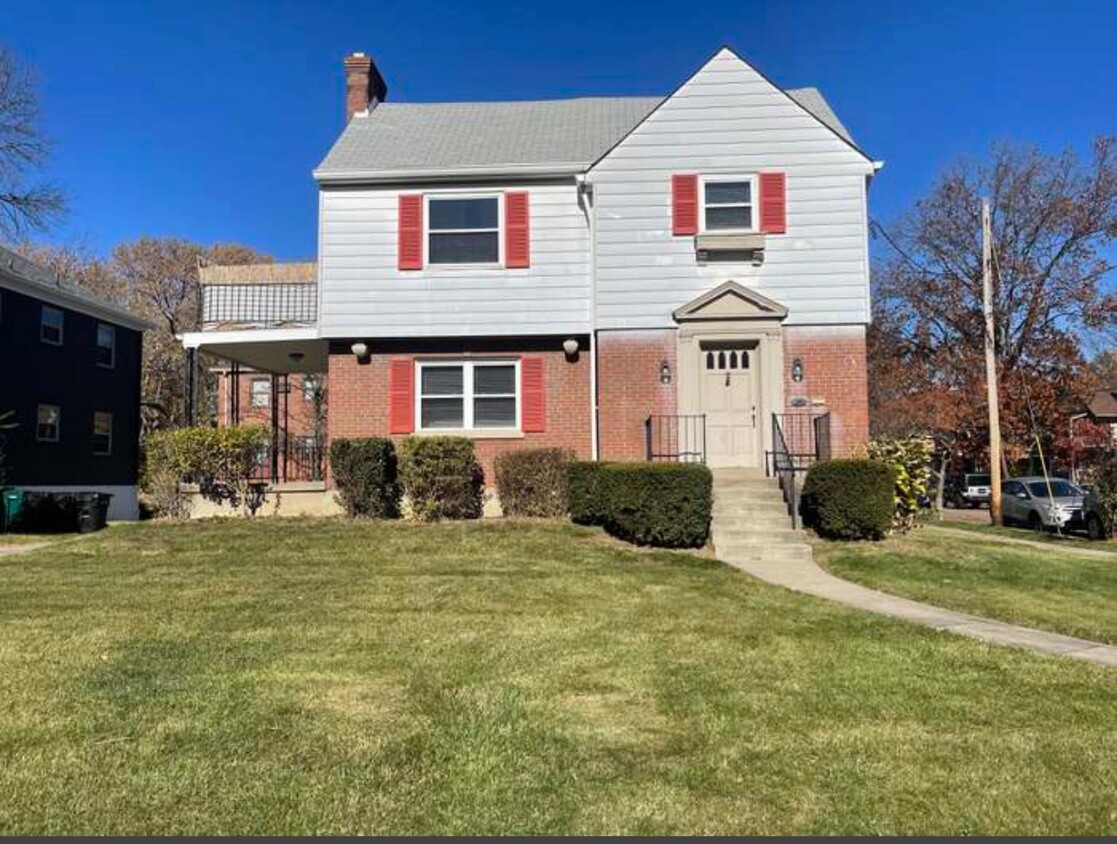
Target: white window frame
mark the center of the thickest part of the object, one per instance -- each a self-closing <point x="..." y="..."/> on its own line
<point x="252" y="396"/>
<point x="111" y="346"/>
<point x="108" y="450"/>
<point x="468" y="365"/>
<point x="61" y="325"/>
<point x="469" y="265"/>
<point x="57" y="425"/>
<point x="754" y="205"/>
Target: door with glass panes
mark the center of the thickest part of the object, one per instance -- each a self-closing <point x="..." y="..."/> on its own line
<point x="728" y="396"/>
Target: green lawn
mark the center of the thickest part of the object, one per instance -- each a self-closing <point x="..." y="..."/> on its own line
<point x="320" y="677"/>
<point x="1053" y="589"/>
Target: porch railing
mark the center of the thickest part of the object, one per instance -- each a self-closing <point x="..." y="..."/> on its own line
<point x="261" y="305"/>
<point x="298" y="458"/>
<point x="675" y="439"/>
<point x="799" y="440"/>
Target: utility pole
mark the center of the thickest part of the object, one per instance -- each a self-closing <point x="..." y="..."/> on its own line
<point x="991" y="366"/>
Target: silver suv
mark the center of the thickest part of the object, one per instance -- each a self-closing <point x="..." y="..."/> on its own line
<point x="1043" y="504"/>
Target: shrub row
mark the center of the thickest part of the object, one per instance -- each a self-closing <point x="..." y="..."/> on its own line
<point x="366" y="474"/>
<point x="849" y="499"/>
<point x="662" y="504"/>
<point x="533" y="482"/>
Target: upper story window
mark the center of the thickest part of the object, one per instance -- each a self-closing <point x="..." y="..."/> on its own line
<point x="728" y="204"/>
<point x="463" y="230"/>
<point x="48" y="421"/>
<point x="259" y="392"/>
<point x="468" y="395"/>
<point x="102" y="433"/>
<point x="50" y="325"/>
<point x="106" y="345"/>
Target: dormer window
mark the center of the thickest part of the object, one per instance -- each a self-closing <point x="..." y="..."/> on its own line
<point x="463" y="230"/>
<point x="728" y="204"/>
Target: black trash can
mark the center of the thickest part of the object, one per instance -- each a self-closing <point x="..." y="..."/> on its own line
<point x="92" y="510"/>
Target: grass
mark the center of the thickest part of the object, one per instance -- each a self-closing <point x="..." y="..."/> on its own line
<point x="321" y="677"/>
<point x="1071" y="540"/>
<point x="1055" y="589"/>
<point x="9" y="539"/>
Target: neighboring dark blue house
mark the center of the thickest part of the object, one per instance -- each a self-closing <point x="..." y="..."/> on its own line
<point x="70" y="375"/>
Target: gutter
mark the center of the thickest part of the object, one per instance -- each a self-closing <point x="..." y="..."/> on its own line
<point x="448" y="174"/>
<point x="586" y="200"/>
<point x="74" y="302"/>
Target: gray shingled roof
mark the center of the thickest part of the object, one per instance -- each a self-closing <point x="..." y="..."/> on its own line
<point x="412" y="138"/>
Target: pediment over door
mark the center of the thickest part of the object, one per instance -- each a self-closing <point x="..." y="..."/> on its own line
<point x="731" y="301"/>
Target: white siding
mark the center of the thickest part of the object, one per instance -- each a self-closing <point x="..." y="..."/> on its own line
<point x="729" y="119"/>
<point x="363" y="294"/>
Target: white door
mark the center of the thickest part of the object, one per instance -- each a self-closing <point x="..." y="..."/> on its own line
<point x="728" y="379"/>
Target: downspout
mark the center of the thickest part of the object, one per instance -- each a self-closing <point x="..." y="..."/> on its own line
<point x="585" y="194"/>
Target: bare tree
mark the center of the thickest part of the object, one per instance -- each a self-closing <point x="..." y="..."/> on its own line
<point x="23" y="148"/>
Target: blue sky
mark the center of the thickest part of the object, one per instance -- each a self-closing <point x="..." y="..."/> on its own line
<point x="204" y="119"/>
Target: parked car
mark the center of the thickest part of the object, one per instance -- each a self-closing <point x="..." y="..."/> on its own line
<point x="971" y="490"/>
<point x="1046" y="504"/>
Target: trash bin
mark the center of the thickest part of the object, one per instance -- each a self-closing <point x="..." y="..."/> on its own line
<point x="92" y="510"/>
<point x="11" y="508"/>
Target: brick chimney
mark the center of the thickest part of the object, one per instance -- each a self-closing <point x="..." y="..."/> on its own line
<point x="364" y="86"/>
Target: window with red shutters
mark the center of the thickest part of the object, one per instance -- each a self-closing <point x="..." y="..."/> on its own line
<point x="533" y="416"/>
<point x="410" y="231"/>
<point x="773" y="203"/>
<point x="401" y="396"/>
<point x="517" y="230"/>
<point x="684" y="204"/>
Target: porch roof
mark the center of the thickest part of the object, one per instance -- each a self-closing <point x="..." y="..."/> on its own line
<point x="283" y="351"/>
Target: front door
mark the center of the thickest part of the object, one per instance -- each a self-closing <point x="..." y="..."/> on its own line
<point x="728" y="396"/>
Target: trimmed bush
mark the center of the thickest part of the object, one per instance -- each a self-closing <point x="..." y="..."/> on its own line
<point x="849" y="499"/>
<point x="367" y="477"/>
<point x="662" y="504"/>
<point x="441" y="478"/>
<point x="584" y="501"/>
<point x="532" y="482"/>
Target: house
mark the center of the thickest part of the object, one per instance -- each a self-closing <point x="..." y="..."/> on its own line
<point x="72" y="384"/>
<point x="675" y="277"/>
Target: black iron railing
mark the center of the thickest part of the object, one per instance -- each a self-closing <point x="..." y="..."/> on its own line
<point x="291" y="303"/>
<point x="675" y="439"/>
<point x="298" y="458"/>
<point x="799" y="440"/>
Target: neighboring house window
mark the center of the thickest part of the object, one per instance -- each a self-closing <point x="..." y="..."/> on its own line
<point x="106" y="345"/>
<point x="463" y="230"/>
<point x="47" y="423"/>
<point x="102" y="432"/>
<point x="260" y="392"/>
<point x="311" y="386"/>
<point x="728" y="203"/>
<point x="50" y="325"/>
<point x="467" y="395"/>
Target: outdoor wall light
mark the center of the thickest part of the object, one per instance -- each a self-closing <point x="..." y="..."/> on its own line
<point x="797" y="370"/>
<point x="570" y="347"/>
<point x="359" y="350"/>
<point x="295" y="357"/>
<point x="665" y="373"/>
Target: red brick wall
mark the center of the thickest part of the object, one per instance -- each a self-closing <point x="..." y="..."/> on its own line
<point x="835" y="378"/>
<point x="629" y="389"/>
<point x="300" y="411"/>
<point x="359" y="407"/>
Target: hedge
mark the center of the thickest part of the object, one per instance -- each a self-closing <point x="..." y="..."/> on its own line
<point x="441" y="478"/>
<point x="583" y="498"/>
<point x="532" y="482"/>
<point x="366" y="473"/>
<point x="849" y="499"/>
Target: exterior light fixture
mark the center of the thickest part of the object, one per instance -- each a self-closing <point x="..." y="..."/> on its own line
<point x="359" y="350"/>
<point x="665" y="373"/>
<point x="295" y="357"/>
<point x="570" y="347"/>
<point x="797" y="370"/>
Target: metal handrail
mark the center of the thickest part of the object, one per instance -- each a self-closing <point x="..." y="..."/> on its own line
<point x="784" y="468"/>
<point x="675" y="438"/>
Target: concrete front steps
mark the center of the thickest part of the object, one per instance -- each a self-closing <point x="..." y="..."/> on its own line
<point x="751" y="521"/>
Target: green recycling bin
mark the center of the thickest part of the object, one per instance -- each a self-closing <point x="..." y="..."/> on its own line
<point x="11" y="507"/>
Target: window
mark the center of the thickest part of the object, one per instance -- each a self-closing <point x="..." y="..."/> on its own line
<point x="50" y="326"/>
<point x="106" y="345"/>
<point x="102" y="432"/>
<point x="467" y="395"/>
<point x="729" y="204"/>
<point x="463" y="230"/>
<point x="259" y="392"/>
<point x="47" y="423"/>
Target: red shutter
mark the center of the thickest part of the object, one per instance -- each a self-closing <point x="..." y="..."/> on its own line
<point x="773" y="203"/>
<point x="684" y="205"/>
<point x="517" y="231"/>
<point x="533" y="411"/>
<point x="410" y="231"/>
<point x="401" y="396"/>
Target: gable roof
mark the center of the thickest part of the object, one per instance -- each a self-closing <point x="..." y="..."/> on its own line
<point x="1102" y="407"/>
<point x="737" y="295"/>
<point x="31" y="279"/>
<point x="541" y="137"/>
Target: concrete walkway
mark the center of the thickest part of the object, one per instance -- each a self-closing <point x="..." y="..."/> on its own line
<point x="8" y="550"/>
<point x="1066" y="546"/>
<point x="776" y="554"/>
